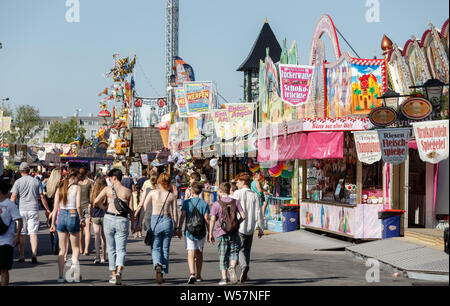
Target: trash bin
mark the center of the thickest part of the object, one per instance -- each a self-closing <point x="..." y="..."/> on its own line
<point x="290" y="217"/>
<point x="391" y="219"/>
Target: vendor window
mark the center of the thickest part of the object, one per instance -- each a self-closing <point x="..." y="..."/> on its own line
<point x="333" y="180"/>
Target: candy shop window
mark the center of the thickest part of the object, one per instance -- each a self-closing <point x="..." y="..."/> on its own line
<point x="333" y="180"/>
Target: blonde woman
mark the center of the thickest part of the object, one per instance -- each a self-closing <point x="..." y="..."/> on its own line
<point x="70" y="219"/>
<point x="49" y="192"/>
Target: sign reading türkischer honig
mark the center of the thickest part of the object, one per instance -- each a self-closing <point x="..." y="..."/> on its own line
<point x="367" y="146"/>
<point x="432" y="140"/>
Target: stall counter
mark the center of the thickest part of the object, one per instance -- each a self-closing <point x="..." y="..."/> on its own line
<point x="358" y="221"/>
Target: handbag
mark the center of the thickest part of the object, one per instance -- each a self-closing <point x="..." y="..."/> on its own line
<point x="123" y="209"/>
<point x="149" y="236"/>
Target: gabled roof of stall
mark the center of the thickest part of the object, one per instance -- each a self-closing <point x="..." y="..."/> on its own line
<point x="266" y="39"/>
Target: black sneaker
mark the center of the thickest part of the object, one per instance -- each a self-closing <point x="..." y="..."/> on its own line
<point x="34" y="260"/>
<point x="21" y="260"/>
<point x="191" y="280"/>
<point x="244" y="277"/>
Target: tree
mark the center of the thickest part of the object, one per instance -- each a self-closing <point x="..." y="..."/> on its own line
<point x="25" y="123"/>
<point x="65" y="132"/>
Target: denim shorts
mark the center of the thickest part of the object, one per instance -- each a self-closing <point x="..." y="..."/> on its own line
<point x="68" y="221"/>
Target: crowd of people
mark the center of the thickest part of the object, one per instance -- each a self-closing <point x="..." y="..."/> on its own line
<point x="116" y="206"/>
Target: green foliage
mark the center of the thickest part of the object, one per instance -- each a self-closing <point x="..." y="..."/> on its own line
<point x="26" y="122"/>
<point x="65" y="132"/>
<point x="12" y="167"/>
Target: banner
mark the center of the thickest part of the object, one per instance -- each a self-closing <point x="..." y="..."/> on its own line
<point x="180" y="99"/>
<point x="367" y="146"/>
<point x="295" y="83"/>
<point x="432" y="140"/>
<point x="234" y="121"/>
<point x="184" y="72"/>
<point x="339" y="90"/>
<point x="150" y="112"/>
<point x="394" y="145"/>
<point x="198" y="97"/>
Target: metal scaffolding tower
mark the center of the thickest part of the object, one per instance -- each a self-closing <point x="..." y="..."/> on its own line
<point x="172" y="9"/>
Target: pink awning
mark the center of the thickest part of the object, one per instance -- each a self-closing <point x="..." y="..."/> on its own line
<point x="313" y="145"/>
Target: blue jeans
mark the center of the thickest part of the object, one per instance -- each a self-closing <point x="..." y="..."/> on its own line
<point x="161" y="242"/>
<point x="116" y="234"/>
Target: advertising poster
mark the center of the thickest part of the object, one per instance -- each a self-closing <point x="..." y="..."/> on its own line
<point x="180" y="99"/>
<point x="432" y="140"/>
<point x="198" y="97"/>
<point x="271" y="101"/>
<point x="150" y="113"/>
<point x="394" y="145"/>
<point x="295" y="83"/>
<point x="234" y="121"/>
<point x="367" y="86"/>
<point x="339" y="90"/>
<point x="367" y="146"/>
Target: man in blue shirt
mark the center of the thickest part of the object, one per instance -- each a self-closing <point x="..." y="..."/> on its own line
<point x="194" y="244"/>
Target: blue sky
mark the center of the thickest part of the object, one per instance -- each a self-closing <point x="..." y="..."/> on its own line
<point x="58" y="66"/>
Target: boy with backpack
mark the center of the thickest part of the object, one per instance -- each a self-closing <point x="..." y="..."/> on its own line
<point x="225" y="212"/>
<point x="196" y="212"/>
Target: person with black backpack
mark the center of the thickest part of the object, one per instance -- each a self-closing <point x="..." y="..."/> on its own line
<point x="224" y="215"/>
<point x="196" y="213"/>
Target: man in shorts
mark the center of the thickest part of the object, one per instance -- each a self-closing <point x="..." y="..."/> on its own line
<point x="9" y="213"/>
<point x="194" y="244"/>
<point x="27" y="190"/>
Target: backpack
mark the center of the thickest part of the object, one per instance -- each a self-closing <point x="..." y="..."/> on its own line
<point x="196" y="222"/>
<point x="230" y="223"/>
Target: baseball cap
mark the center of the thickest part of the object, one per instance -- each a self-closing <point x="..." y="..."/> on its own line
<point x="24" y="166"/>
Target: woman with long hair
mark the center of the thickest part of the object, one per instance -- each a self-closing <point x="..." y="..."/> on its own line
<point x="70" y="219"/>
<point x="97" y="214"/>
<point x="86" y="186"/>
<point x="163" y="221"/>
<point x="49" y="191"/>
<point x="152" y="185"/>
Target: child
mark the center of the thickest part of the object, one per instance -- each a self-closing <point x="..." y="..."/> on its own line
<point x="9" y="213"/>
<point x="194" y="177"/>
<point x="195" y="244"/>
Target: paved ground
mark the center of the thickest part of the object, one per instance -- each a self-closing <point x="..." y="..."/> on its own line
<point x="273" y="263"/>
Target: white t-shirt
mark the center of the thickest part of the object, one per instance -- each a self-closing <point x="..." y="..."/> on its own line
<point x="252" y="208"/>
<point x="9" y="212"/>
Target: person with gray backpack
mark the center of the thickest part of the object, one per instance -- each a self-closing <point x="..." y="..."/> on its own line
<point x="196" y="213"/>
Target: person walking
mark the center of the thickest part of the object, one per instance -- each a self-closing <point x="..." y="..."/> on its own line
<point x="70" y="220"/>
<point x="127" y="181"/>
<point x="224" y="217"/>
<point x="9" y="236"/>
<point x="97" y="214"/>
<point x="49" y="191"/>
<point x="86" y="186"/>
<point x="254" y="218"/>
<point x="27" y="191"/>
<point x="194" y="177"/>
<point x="115" y="224"/>
<point x="195" y="231"/>
<point x="151" y="184"/>
<point x="163" y="221"/>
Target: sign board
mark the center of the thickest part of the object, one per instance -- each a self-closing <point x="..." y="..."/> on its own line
<point x="432" y="140"/>
<point x="416" y="108"/>
<point x="234" y="121"/>
<point x="394" y="145"/>
<point x="180" y="99"/>
<point x="198" y="97"/>
<point x="295" y="83"/>
<point x="367" y="146"/>
<point x="383" y="116"/>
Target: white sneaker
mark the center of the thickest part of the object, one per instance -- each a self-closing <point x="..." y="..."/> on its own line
<point x="233" y="276"/>
<point x="223" y="282"/>
<point x="118" y="278"/>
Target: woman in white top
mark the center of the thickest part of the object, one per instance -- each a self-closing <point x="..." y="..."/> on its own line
<point x="70" y="219"/>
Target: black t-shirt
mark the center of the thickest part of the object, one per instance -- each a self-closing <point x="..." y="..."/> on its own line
<point x="141" y="182"/>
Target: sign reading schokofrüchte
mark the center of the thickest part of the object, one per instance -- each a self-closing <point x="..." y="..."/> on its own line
<point x="432" y="140"/>
<point x="394" y="145"/>
<point x="295" y="83"/>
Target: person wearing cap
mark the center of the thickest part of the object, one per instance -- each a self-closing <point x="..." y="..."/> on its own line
<point x="28" y="190"/>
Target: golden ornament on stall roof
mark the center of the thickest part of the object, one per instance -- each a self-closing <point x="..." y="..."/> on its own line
<point x="386" y="43"/>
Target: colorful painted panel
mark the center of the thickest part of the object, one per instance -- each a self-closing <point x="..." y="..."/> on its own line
<point x="339" y="90"/>
<point x="417" y="66"/>
<point x="436" y="58"/>
<point x="367" y="86"/>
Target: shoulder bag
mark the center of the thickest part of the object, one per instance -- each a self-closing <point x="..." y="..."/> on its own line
<point x="123" y="209"/>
